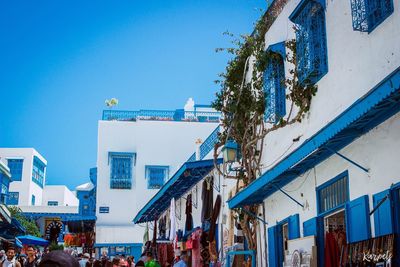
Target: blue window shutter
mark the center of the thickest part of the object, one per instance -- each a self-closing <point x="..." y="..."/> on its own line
<point x="310" y="227"/>
<point x="383" y="218"/>
<point x="357" y="220"/>
<point x="272" y="247"/>
<point x="294" y="227"/>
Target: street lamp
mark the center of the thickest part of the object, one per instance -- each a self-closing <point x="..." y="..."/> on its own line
<point x="230" y="151"/>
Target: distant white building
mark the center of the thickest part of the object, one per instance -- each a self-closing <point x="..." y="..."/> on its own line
<point x="28" y="173"/>
<point x="138" y="151"/>
<point x="59" y="195"/>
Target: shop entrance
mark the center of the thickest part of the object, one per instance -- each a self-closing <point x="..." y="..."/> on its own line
<point x="283" y="237"/>
<point x="335" y="237"/>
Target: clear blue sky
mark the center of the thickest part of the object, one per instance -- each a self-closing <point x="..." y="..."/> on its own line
<point x="59" y="61"/>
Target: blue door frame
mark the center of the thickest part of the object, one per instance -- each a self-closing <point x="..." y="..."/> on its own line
<point x="395" y="196"/>
<point x="251" y="253"/>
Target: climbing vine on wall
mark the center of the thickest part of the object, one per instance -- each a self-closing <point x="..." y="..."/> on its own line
<point x="242" y="102"/>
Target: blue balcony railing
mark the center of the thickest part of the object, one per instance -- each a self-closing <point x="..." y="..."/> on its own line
<point x="207" y="145"/>
<point x="120" y="183"/>
<point x="161" y="115"/>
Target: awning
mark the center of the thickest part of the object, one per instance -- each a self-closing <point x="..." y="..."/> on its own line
<point x="64" y="217"/>
<point x="32" y="240"/>
<point x="185" y="178"/>
<point x="10" y="230"/>
<point x="380" y="103"/>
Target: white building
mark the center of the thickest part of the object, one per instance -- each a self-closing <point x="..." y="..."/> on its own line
<point x="59" y="195"/>
<point x="337" y="170"/>
<point x="138" y="151"/>
<point x="28" y="172"/>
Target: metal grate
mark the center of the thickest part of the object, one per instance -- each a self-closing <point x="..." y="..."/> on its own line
<point x="12" y="198"/>
<point x="121" y="172"/>
<point x="274" y="89"/>
<point x="368" y="14"/>
<point x="333" y="195"/>
<point x="15" y="166"/>
<point x="38" y="172"/>
<point x="156" y="176"/>
<point x="312" y="62"/>
<point x="161" y="115"/>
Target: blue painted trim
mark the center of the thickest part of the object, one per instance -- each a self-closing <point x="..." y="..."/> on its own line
<point x="367" y="112"/>
<point x="202" y="106"/>
<point x="328" y="183"/>
<point x="62" y="216"/>
<point x="349" y="160"/>
<point x="360" y="206"/>
<point x="301" y="5"/>
<point x="251" y="253"/>
<point x="279" y="48"/>
<point x="175" y="187"/>
<point x="289" y="196"/>
<point x="99" y="245"/>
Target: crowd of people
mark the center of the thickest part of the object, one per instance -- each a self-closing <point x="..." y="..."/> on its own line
<point x="35" y="258"/>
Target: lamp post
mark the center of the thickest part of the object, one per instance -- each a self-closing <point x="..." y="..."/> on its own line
<point x="230" y="151"/>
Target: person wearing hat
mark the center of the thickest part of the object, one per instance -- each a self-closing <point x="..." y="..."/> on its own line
<point x="58" y="258"/>
<point x="84" y="260"/>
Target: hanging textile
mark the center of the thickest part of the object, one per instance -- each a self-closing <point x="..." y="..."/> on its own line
<point x="188" y="212"/>
<point x="211" y="235"/>
<point x="172" y="229"/>
<point x="146" y="234"/>
<point x="196" y="252"/>
<point x="331" y="251"/>
<point x="207" y="198"/>
<point x="162" y="227"/>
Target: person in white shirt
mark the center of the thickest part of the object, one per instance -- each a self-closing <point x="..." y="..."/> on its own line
<point x="10" y="260"/>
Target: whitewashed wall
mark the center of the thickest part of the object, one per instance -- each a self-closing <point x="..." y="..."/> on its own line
<point x="356" y="63"/>
<point x="59" y="193"/>
<point x="155" y="143"/>
<point x="26" y="187"/>
<point x="376" y="150"/>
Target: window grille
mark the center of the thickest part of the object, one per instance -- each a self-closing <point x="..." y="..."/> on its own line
<point x="311" y="51"/>
<point x="156" y="176"/>
<point x="334" y="194"/>
<point x="13" y="198"/>
<point x="15" y="166"/>
<point x="121" y="170"/>
<point x="274" y="89"/>
<point x="52" y="203"/>
<point x="38" y="172"/>
<point x="368" y="14"/>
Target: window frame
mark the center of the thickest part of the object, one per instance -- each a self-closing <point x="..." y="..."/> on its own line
<point x="362" y="17"/>
<point x="147" y="173"/>
<point x="38" y="171"/>
<point x="275" y="90"/>
<point x="326" y="185"/>
<point x="51" y="202"/>
<point x="11" y="164"/>
<point x="122" y="183"/>
<point x="306" y="65"/>
<point x="17" y="198"/>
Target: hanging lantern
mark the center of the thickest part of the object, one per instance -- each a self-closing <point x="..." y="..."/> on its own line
<point x="230" y="151"/>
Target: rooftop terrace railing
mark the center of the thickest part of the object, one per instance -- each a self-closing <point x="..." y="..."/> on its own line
<point x="161" y="115"/>
<point x="207" y="145"/>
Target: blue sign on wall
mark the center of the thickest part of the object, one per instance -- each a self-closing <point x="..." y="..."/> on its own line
<point x="104" y="209"/>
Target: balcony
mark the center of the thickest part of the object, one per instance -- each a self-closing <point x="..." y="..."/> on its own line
<point x="117" y="183"/>
<point x="161" y="115"/>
